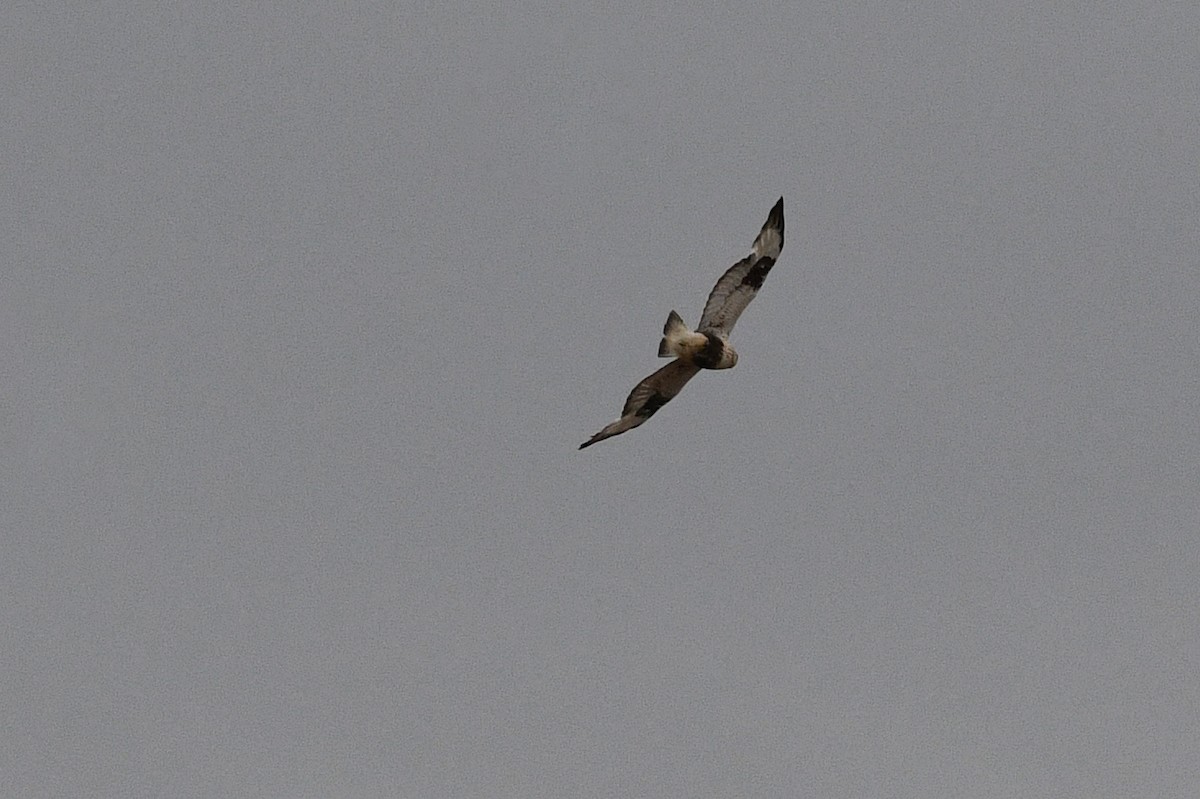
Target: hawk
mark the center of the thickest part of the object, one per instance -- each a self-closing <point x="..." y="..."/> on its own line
<point x="706" y="347"/>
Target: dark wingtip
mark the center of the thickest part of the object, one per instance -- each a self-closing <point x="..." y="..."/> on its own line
<point x="587" y="443"/>
<point x="776" y="214"/>
<point x="775" y="219"/>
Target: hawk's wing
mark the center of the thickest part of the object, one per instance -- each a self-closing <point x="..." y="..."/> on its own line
<point x="738" y="286"/>
<point x="647" y="397"/>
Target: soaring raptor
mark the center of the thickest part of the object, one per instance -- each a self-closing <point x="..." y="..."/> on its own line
<point x="707" y="347"/>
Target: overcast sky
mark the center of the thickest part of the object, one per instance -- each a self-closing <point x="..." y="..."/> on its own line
<point x="305" y="310"/>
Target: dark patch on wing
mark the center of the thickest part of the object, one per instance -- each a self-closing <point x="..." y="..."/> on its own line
<point x="652" y="404"/>
<point x="659" y="388"/>
<point x="758" y="273"/>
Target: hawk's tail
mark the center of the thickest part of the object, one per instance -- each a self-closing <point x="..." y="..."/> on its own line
<point x="674" y="331"/>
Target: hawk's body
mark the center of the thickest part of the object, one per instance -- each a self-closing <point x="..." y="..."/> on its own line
<point x="707" y="347"/>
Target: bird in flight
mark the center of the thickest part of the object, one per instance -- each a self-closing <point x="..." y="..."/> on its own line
<point x="706" y="347"/>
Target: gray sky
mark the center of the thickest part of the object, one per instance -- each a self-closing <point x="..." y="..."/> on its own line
<point x="305" y="312"/>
